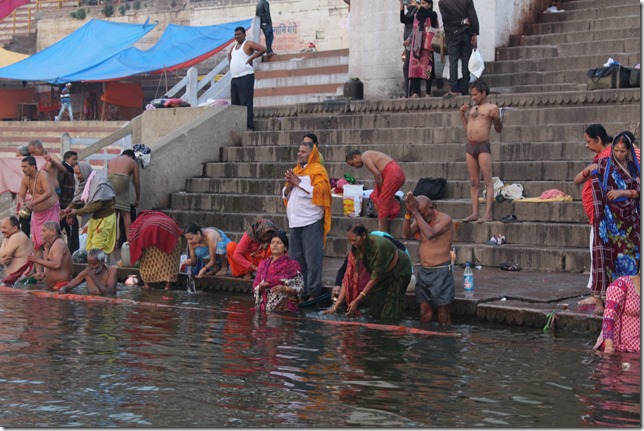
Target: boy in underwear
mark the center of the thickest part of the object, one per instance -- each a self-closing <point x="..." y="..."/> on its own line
<point x="478" y="157"/>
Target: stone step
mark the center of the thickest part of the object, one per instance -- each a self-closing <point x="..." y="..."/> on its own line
<point x="300" y="56"/>
<point x="599" y="24"/>
<point x="311" y="82"/>
<point x="564" y="212"/>
<point x="454" y="188"/>
<point x="551" y="88"/>
<point x="296" y="90"/>
<point x="555" y="64"/>
<point x="515" y="172"/>
<point x="530" y="257"/>
<point x="610" y="113"/>
<point x="293" y="99"/>
<point x="370" y="136"/>
<point x="591" y="13"/>
<point x="574" y="5"/>
<point x="299" y="72"/>
<point x="295" y="64"/>
<point x="607" y="47"/>
<point x="559" y="38"/>
<point x="448" y="152"/>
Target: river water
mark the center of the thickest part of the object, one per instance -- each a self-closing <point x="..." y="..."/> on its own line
<point x="210" y="362"/>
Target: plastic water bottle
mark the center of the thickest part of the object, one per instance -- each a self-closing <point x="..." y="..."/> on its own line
<point x="468" y="279"/>
<point x="125" y="254"/>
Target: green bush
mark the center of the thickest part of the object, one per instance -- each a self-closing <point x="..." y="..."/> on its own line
<point x="137" y="5"/>
<point x="79" y="14"/>
<point x="122" y="9"/>
<point x="108" y="10"/>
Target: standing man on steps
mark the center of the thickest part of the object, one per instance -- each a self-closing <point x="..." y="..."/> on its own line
<point x="263" y="11"/>
<point x="461" y="29"/>
<point x="242" y="86"/>
<point x="307" y="196"/>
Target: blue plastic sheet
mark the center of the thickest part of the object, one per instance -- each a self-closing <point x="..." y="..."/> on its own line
<point x="91" y="44"/>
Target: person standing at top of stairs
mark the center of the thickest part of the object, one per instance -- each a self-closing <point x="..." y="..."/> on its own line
<point x="242" y="85"/>
<point x="263" y="11"/>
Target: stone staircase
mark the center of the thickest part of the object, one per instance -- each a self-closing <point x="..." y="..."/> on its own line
<point x="541" y="146"/>
<point x="23" y="29"/>
<point x="14" y="133"/>
<point x="301" y="78"/>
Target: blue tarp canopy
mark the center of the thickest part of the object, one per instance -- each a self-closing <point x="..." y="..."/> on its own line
<point x="178" y="47"/>
<point x="89" y="45"/>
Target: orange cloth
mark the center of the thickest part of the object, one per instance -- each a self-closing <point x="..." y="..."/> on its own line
<point x="123" y="94"/>
<point x="60" y="285"/>
<point x="320" y="183"/>
<point x="241" y="256"/>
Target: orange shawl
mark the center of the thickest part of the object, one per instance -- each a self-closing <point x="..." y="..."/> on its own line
<point x="321" y="186"/>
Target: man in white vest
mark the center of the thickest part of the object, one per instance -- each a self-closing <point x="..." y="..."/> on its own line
<point x="241" y="58"/>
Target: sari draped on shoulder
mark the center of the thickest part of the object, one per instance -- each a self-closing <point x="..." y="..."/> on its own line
<point x="282" y="271"/>
<point x="616" y="223"/>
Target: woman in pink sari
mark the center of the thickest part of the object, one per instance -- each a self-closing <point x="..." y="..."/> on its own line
<point x="278" y="283"/>
<point x="421" y="61"/>
<point x="622" y="316"/>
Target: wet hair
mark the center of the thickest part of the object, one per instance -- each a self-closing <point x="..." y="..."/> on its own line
<point x="36" y="143"/>
<point x="52" y="225"/>
<point x="595" y="131"/>
<point x="282" y="236"/>
<point x="193" y="229"/>
<point x="312" y="137"/>
<point x="358" y="229"/>
<point x="97" y="253"/>
<point x="481" y="86"/>
<point x="129" y="153"/>
<point x="22" y="149"/>
<point x="31" y="160"/>
<point x="351" y="154"/>
<point x="626" y="138"/>
<point x="242" y="29"/>
<point x="69" y="154"/>
<point x="13" y="220"/>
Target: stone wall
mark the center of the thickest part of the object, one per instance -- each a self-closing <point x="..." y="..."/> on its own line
<point x="296" y="22"/>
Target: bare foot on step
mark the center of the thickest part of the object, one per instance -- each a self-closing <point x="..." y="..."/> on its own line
<point x="473" y="217"/>
<point x="591" y="300"/>
<point x="484" y="219"/>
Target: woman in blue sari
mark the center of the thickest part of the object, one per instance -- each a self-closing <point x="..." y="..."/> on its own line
<point x="616" y="222"/>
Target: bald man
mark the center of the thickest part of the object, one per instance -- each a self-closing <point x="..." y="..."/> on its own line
<point x="100" y="279"/>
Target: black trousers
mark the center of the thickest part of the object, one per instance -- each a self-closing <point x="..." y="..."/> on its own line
<point x="241" y="94"/>
<point x="459" y="46"/>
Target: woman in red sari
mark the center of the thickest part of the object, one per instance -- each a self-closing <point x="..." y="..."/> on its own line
<point x="616" y="220"/>
<point x="421" y="61"/>
<point x="278" y="284"/>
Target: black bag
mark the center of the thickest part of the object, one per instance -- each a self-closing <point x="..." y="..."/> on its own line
<point x="634" y="78"/>
<point x="613" y="76"/>
<point x="433" y="188"/>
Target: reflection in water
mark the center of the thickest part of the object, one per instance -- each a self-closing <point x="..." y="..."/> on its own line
<point x="216" y="364"/>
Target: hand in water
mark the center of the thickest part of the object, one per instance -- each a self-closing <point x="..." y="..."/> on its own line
<point x="353" y="308"/>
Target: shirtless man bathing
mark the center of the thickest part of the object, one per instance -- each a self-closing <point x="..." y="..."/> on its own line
<point x="435" y="277"/>
<point x="57" y="259"/>
<point x="44" y="202"/>
<point x="389" y="178"/>
<point x="15" y="248"/>
<point x="477" y="123"/>
<point x="101" y="279"/>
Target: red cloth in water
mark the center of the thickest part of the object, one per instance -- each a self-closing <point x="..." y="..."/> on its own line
<point x="12" y="278"/>
<point x="153" y="228"/>
<point x="393" y="178"/>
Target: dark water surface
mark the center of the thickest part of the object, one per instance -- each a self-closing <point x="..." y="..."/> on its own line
<point x="77" y="364"/>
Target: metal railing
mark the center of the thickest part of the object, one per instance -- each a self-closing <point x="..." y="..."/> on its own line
<point x="199" y="91"/>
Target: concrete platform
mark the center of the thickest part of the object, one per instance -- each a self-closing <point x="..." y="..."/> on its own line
<point x="520" y="298"/>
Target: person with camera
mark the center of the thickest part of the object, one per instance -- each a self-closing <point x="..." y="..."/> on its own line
<point x="421" y="55"/>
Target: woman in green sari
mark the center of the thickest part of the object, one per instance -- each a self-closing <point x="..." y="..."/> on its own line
<point x="390" y="271"/>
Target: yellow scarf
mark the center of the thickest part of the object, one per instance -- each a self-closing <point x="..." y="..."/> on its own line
<point x="321" y="186"/>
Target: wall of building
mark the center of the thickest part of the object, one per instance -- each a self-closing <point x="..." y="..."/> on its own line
<point x="296" y="23"/>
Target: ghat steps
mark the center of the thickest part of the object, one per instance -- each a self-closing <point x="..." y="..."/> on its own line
<point x="540" y="76"/>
